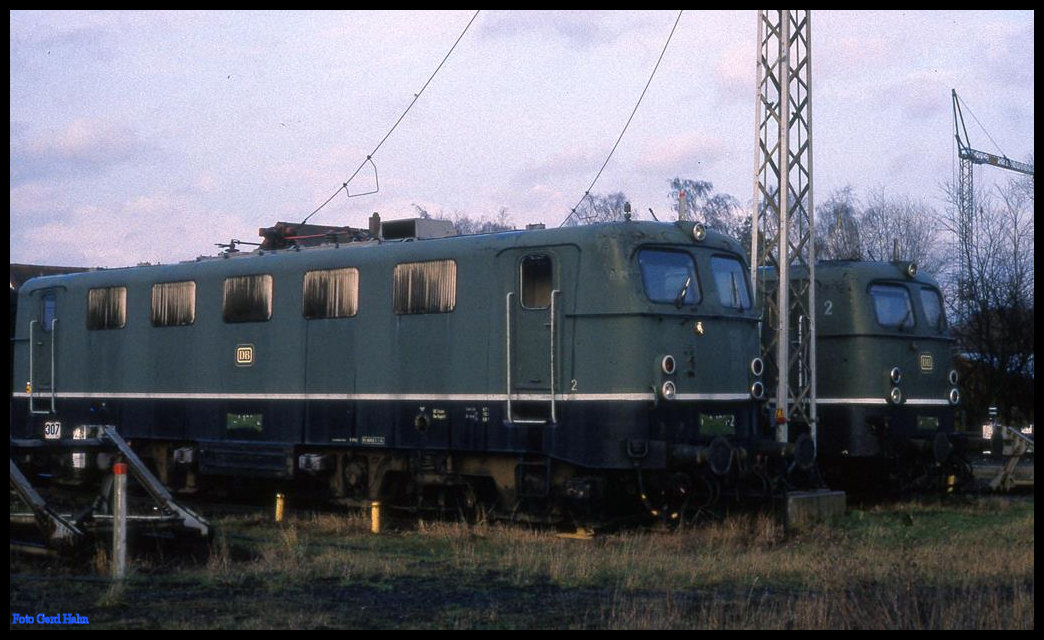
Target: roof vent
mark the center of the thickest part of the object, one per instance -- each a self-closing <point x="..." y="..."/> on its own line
<point x="416" y="229"/>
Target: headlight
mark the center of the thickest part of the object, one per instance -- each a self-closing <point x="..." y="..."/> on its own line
<point x="668" y="390"/>
<point x="667" y="364"/>
<point x="955" y="396"/>
<point x="896" y="375"/>
<point x="757" y="390"/>
<point x="757" y="366"/>
<point x="953" y="377"/>
<point x="895" y="395"/>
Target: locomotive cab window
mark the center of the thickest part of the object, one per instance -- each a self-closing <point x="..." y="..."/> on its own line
<point x="892" y="306"/>
<point x="730" y="279"/>
<point x="669" y="276"/>
<point x="173" y="304"/>
<point x="106" y="308"/>
<point x="331" y="293"/>
<point x="247" y="298"/>
<point x="536" y="282"/>
<point x="933" y="311"/>
<point x="425" y="287"/>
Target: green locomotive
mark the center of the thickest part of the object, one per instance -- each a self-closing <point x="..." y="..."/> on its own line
<point x="591" y="369"/>
<point x="886" y="385"/>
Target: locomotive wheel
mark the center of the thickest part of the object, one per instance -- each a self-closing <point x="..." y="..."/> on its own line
<point x="681" y="497"/>
<point x="942" y="448"/>
<point x="804" y="452"/>
<point x="704" y="495"/>
<point x="720" y="456"/>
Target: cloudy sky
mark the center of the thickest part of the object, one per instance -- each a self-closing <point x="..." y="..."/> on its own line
<point x="151" y="136"/>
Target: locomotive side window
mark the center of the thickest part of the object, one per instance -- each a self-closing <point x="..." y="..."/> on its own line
<point x="247" y="298"/>
<point x="892" y="306"/>
<point x="730" y="279"/>
<point x="536" y="282"/>
<point x="669" y="276"/>
<point x="173" y="304"/>
<point x="106" y="308"/>
<point x="932" y="303"/>
<point x="331" y="293"/>
<point x="49" y="313"/>
<point x="425" y="287"/>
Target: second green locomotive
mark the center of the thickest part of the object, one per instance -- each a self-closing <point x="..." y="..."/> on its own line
<point x="887" y="389"/>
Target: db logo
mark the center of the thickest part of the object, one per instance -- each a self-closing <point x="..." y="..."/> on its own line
<point x="244" y="355"/>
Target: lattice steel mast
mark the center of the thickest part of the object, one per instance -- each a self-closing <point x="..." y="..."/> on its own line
<point x="782" y="234"/>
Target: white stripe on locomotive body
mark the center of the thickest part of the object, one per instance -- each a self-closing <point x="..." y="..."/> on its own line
<point x="908" y="402"/>
<point x="410" y="397"/>
<point x="462" y="397"/>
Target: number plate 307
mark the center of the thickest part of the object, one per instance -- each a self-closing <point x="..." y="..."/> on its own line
<point x="52" y="430"/>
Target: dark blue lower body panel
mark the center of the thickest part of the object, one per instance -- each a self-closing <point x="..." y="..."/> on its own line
<point x="860" y="431"/>
<point x="591" y="434"/>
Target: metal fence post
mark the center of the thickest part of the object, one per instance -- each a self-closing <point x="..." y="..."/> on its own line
<point x="119" y="525"/>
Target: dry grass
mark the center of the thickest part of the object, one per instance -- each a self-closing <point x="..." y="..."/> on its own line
<point x="911" y="566"/>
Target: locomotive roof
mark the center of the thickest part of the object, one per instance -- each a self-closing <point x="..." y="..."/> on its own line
<point x="863" y="270"/>
<point x="368" y="250"/>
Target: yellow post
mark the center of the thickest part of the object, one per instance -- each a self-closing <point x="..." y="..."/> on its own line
<point x="375" y="517"/>
<point x="280" y="500"/>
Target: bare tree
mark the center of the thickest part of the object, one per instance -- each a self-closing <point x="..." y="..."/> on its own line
<point x="695" y="200"/>
<point x="469" y="226"/>
<point x="597" y="208"/>
<point x="990" y="287"/>
<point x="837" y="227"/>
<point x="891" y="225"/>
<point x="687" y="197"/>
<point x="1016" y="218"/>
<point x="466" y="225"/>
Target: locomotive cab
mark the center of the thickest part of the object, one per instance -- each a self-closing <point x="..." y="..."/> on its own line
<point x="887" y="388"/>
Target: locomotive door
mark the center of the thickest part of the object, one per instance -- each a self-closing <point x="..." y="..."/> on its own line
<point x="43" y="329"/>
<point x="533" y="310"/>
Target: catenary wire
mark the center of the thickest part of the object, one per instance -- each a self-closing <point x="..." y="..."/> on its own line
<point x="587" y="193"/>
<point x="416" y="96"/>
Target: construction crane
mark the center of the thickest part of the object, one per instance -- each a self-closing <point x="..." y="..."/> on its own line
<point x="974" y="156"/>
<point x="966" y="200"/>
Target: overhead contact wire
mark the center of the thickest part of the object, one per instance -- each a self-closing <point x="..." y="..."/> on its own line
<point x="628" y="123"/>
<point x="416" y="96"/>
